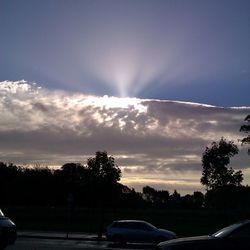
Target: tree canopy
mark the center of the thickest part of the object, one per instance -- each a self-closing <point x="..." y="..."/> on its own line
<point x="215" y="161"/>
<point x="103" y="168"/>
<point x="246" y="129"/>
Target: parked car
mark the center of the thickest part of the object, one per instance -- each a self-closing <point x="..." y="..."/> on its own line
<point x="123" y="231"/>
<point x="233" y="237"/>
<point x="7" y="231"/>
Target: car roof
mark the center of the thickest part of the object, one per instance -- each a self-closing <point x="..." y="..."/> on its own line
<point x="130" y="221"/>
<point x="243" y="222"/>
<point x="246" y="221"/>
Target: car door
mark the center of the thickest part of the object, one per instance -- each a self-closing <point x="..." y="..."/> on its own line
<point x="142" y="232"/>
<point x="127" y="231"/>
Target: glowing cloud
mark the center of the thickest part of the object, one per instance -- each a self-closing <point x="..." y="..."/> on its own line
<point x="148" y="138"/>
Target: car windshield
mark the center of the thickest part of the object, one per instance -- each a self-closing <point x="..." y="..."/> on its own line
<point x="150" y="226"/>
<point x="226" y="230"/>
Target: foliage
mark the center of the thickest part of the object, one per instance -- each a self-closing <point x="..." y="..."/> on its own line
<point x="90" y="186"/>
<point x="246" y="129"/>
<point x="215" y="161"/>
<point x="96" y="185"/>
<point x="154" y="196"/>
<point x="102" y="168"/>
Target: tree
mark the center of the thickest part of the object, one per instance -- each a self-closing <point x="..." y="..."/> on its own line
<point x="73" y="175"/>
<point x="246" y="129"/>
<point x="175" y="199"/>
<point x="229" y="197"/>
<point x="103" y="168"/>
<point x="70" y="180"/>
<point x="149" y="194"/>
<point x="215" y="161"/>
<point x="198" y="199"/>
<point x="103" y="175"/>
<point x="155" y="197"/>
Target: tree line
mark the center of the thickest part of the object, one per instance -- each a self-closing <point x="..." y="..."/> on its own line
<point x="96" y="184"/>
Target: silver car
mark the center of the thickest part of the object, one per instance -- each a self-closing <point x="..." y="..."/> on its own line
<point x="123" y="231"/>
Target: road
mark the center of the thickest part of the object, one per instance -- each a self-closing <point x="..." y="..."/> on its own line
<point x="53" y="244"/>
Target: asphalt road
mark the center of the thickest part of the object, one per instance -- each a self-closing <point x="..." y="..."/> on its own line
<point x="52" y="244"/>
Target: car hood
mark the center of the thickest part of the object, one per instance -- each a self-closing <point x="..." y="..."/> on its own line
<point x="185" y="240"/>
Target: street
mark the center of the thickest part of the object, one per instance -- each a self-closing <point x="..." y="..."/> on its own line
<point x="63" y="244"/>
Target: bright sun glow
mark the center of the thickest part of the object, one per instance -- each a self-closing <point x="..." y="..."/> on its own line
<point x="116" y="102"/>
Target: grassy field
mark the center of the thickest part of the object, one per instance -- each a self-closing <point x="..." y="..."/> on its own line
<point x="182" y="221"/>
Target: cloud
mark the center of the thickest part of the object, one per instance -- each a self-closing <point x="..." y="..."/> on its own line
<point x="146" y="137"/>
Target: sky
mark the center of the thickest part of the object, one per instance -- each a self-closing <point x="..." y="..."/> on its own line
<point x="151" y="82"/>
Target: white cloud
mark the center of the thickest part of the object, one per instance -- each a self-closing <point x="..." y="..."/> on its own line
<point x="153" y="137"/>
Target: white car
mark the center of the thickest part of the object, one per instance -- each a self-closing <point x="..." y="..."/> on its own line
<point x="7" y="231"/>
<point x="123" y="231"/>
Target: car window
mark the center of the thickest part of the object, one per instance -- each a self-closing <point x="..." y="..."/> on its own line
<point x="142" y="226"/>
<point x="123" y="225"/>
<point x="130" y="225"/>
<point x="127" y="225"/>
<point x="139" y="226"/>
<point x="150" y="226"/>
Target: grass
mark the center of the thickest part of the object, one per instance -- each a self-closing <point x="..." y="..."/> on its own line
<point x="184" y="222"/>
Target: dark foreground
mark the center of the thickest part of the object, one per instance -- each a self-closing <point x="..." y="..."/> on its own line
<point x="184" y="222"/>
<point x="63" y="244"/>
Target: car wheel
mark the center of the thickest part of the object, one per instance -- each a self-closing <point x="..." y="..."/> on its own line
<point x="118" y="239"/>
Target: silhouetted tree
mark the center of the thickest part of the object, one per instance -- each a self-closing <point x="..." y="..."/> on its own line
<point x="229" y="197"/>
<point x="71" y="179"/>
<point x="103" y="168"/>
<point x="198" y="199"/>
<point x="175" y="199"/>
<point x="104" y="175"/>
<point x="73" y="175"/>
<point x="149" y="194"/>
<point x="215" y="160"/>
<point x="155" y="197"/>
<point x="9" y="174"/>
<point x="246" y="129"/>
<point x="186" y="201"/>
<point x="163" y="197"/>
<point x="129" y="198"/>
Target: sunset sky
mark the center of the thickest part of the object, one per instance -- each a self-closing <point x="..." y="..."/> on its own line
<point x="151" y="82"/>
